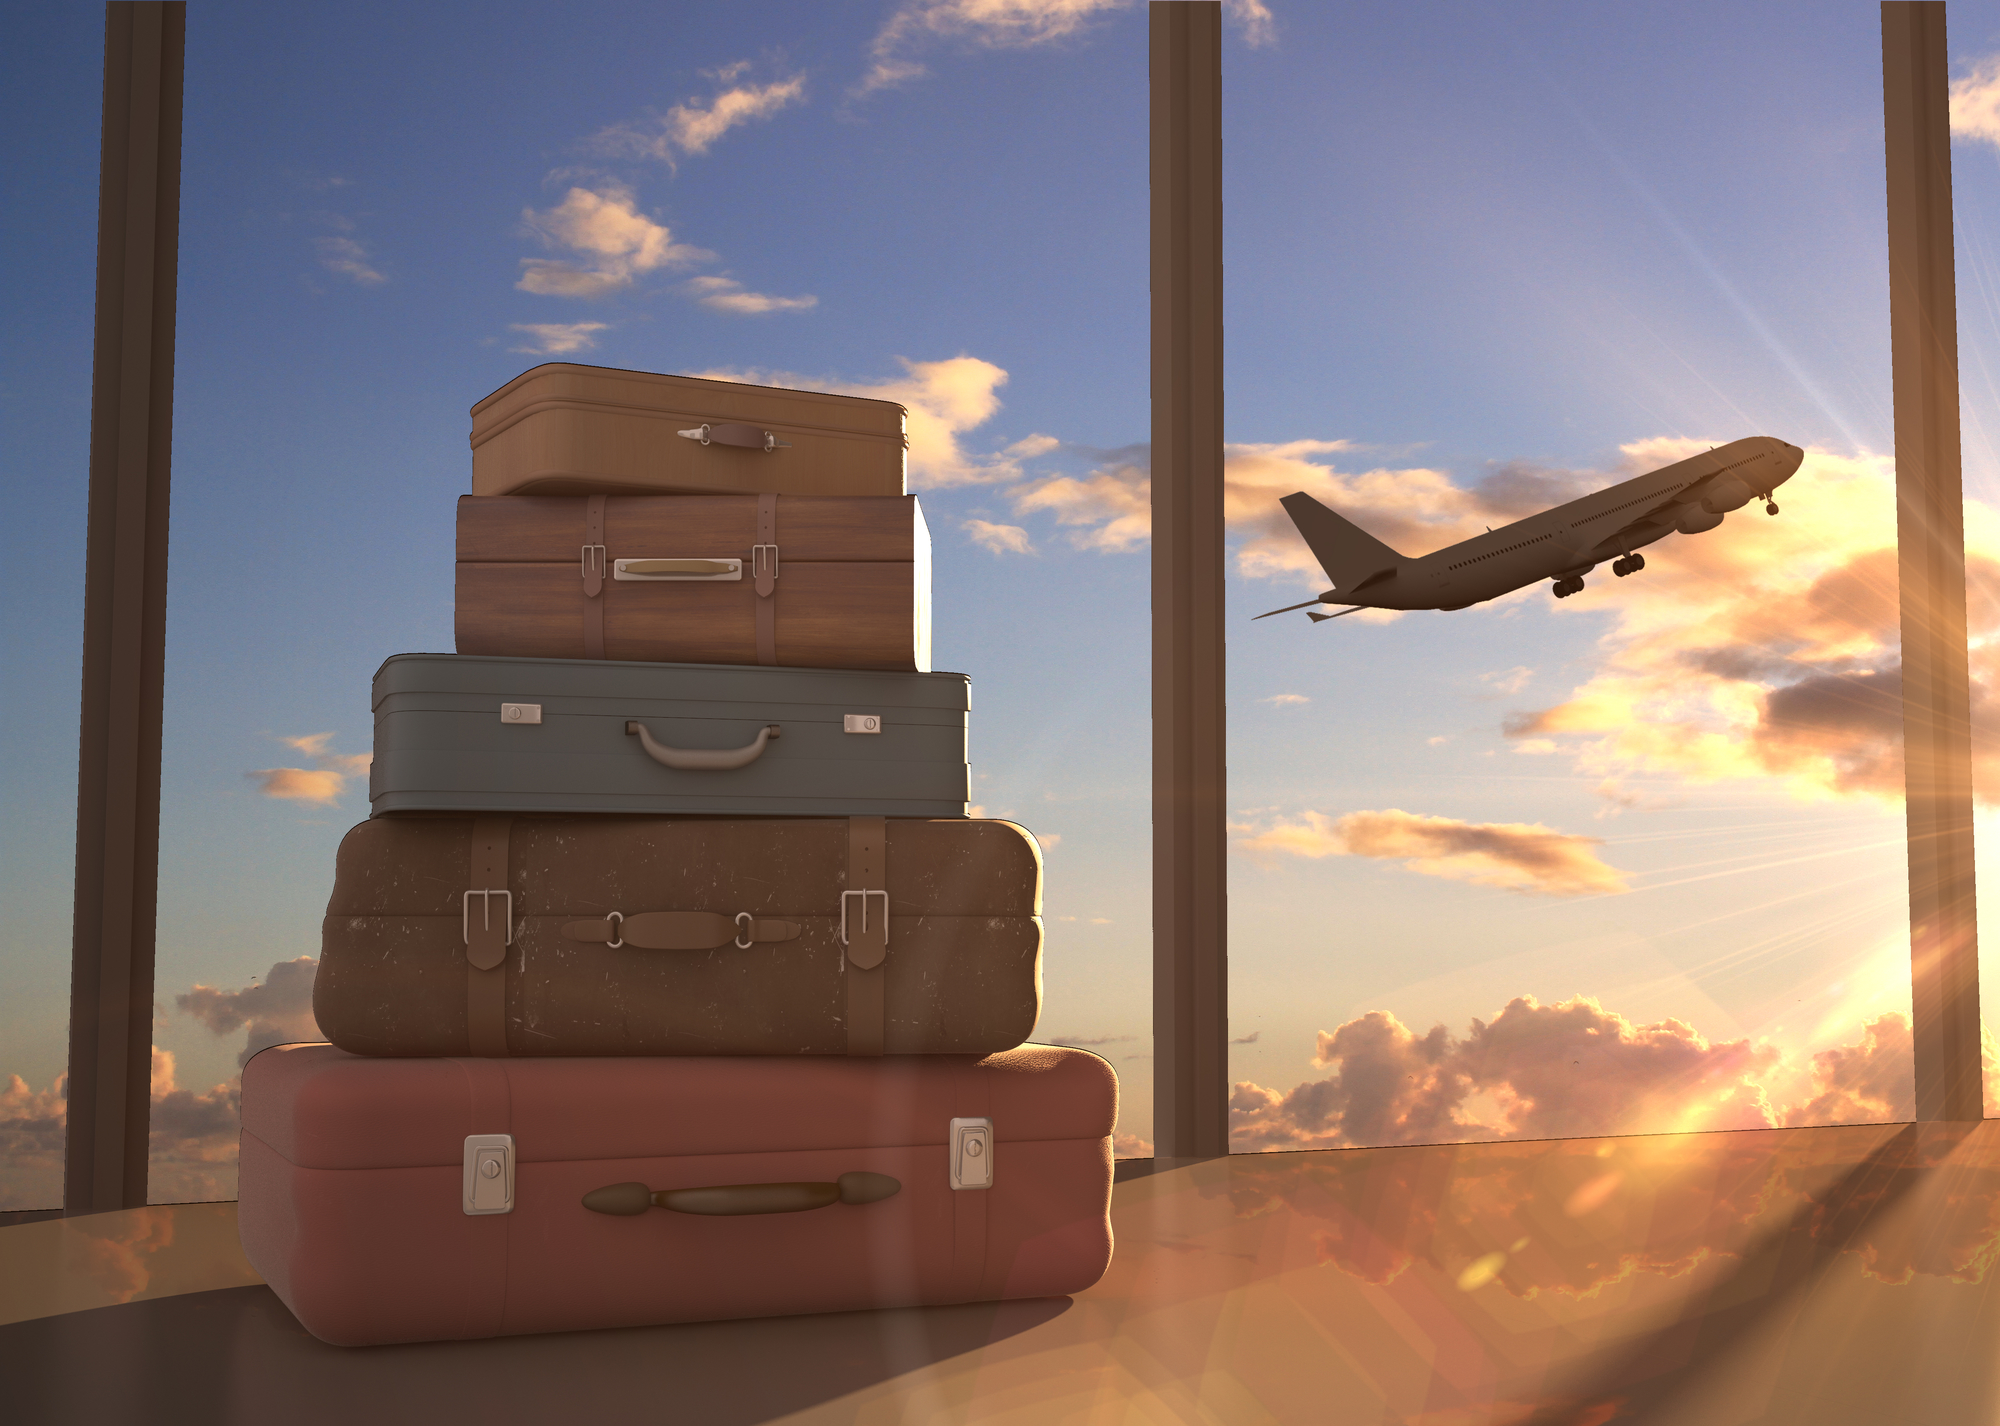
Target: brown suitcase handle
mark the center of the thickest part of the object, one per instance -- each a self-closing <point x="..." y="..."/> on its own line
<point x="732" y="1200"/>
<point x="735" y="433"/>
<point x="704" y="759"/>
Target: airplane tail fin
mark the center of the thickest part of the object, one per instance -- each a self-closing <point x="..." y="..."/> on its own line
<point x="1350" y="555"/>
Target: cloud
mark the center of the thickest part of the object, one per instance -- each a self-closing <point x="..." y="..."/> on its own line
<point x="193" y="1133"/>
<point x="320" y="785"/>
<point x="1413" y="509"/>
<point x="945" y="399"/>
<point x="1871" y="1081"/>
<point x="1131" y="1146"/>
<point x="979" y="24"/>
<point x="1975" y="102"/>
<point x="1517" y="856"/>
<point x="277" y="1012"/>
<point x="298" y="784"/>
<point x="348" y="258"/>
<point x="694" y="127"/>
<point x="1512" y="681"/>
<point x="1767" y="650"/>
<point x="1000" y="539"/>
<point x="1049" y="840"/>
<point x="1543" y="1071"/>
<point x="557" y="338"/>
<point x="1253" y="17"/>
<point x="1285" y="700"/>
<point x="614" y="243"/>
<point x="1249" y="1039"/>
<point x="725" y="294"/>
<point x="1110" y="510"/>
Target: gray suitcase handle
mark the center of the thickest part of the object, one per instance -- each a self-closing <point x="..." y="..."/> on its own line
<point x="730" y="1200"/>
<point x="703" y="759"/>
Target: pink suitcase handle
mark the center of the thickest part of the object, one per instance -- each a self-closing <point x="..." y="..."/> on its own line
<point x="730" y="1200"/>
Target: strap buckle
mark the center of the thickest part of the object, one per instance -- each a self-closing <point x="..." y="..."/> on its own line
<point x="588" y="556"/>
<point x="746" y="931"/>
<point x="757" y="558"/>
<point x="617" y="920"/>
<point x="486" y="913"/>
<point x="864" y="895"/>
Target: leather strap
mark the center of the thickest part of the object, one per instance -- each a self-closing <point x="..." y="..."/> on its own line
<point x="681" y="930"/>
<point x="490" y="1105"/>
<point x="764" y="564"/>
<point x="594" y="570"/>
<point x="864" y="907"/>
<point x="970" y="1100"/>
<point x="489" y="928"/>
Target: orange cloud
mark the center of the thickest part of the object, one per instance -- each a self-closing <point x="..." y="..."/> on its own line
<point x="1518" y="856"/>
<point x="694" y="127"/>
<point x="299" y="784"/>
<point x="612" y="240"/>
<point x="1000" y="539"/>
<point x="320" y="785"/>
<point x="1562" y="1071"/>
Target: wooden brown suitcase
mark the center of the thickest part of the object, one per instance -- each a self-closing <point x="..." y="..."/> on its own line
<point x="797" y="580"/>
<point x="601" y="935"/>
<point x="564" y="429"/>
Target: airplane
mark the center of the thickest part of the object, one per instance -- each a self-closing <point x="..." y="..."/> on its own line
<point x="1563" y="543"/>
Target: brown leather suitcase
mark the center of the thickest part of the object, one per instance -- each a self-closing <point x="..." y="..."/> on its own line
<point x="605" y="935"/>
<point x="412" y="1200"/>
<point x="564" y="429"/>
<point x="796" y="580"/>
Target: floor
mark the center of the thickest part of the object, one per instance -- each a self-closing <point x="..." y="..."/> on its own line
<point x="1829" y="1276"/>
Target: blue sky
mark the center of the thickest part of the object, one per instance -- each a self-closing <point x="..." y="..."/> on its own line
<point x="1472" y="251"/>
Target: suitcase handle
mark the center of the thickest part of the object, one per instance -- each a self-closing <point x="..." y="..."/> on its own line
<point x="731" y="1200"/>
<point x="703" y="759"/>
<point x="735" y="433"/>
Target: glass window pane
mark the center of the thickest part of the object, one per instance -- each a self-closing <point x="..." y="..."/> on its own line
<point x="1631" y="859"/>
<point x="51" y="170"/>
<point x="379" y="234"/>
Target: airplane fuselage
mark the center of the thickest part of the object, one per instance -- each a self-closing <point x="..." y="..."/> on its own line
<point x="1568" y="541"/>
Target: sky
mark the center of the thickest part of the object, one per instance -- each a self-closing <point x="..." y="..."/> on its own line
<point x="1630" y="862"/>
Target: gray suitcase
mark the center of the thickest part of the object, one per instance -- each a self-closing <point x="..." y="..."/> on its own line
<point x="470" y="733"/>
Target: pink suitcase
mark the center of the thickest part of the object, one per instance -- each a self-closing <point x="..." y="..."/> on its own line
<point x="414" y="1200"/>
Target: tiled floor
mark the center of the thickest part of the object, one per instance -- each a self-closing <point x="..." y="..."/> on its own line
<point x="1828" y="1276"/>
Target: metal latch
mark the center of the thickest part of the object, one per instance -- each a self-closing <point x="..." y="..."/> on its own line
<point x="972" y="1153"/>
<point x="860" y="723"/>
<point x="489" y="1174"/>
<point x="520" y="712"/>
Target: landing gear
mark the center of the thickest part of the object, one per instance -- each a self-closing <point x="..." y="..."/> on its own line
<point x="1566" y="587"/>
<point x="1770" y="507"/>
<point x="1631" y="564"/>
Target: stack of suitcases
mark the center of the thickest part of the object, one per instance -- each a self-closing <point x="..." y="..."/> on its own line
<point x="669" y="979"/>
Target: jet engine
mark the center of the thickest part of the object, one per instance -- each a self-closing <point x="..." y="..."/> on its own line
<point x="1696" y="521"/>
<point x="1728" y="493"/>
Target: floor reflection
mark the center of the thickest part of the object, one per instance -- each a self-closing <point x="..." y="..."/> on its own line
<point x="1809" y="1275"/>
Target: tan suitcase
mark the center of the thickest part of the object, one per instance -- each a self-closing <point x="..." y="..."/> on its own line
<point x="795" y="580"/>
<point x="600" y="935"/>
<point x="562" y="429"/>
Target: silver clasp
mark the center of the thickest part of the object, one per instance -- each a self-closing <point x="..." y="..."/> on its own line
<point x="864" y="895"/>
<point x="745" y="925"/>
<point x="617" y="920"/>
<point x="486" y="913"/>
